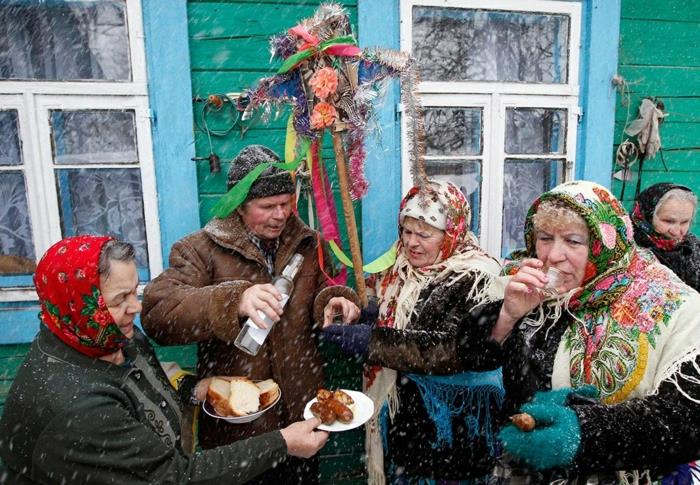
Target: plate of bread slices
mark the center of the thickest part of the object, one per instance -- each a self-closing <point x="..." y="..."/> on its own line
<point x="240" y="399"/>
<point x="339" y="410"/>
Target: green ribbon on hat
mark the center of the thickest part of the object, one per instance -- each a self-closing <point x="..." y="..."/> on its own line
<point x="238" y="193"/>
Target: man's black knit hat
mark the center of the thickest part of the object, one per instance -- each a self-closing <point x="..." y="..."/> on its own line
<point x="271" y="181"/>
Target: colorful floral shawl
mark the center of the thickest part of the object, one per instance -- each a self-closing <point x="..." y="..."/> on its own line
<point x="635" y="323"/>
<point x="72" y="307"/>
<point x="398" y="290"/>
<point x="683" y="257"/>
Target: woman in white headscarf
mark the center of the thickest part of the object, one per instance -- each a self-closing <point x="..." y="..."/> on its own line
<point x="432" y="419"/>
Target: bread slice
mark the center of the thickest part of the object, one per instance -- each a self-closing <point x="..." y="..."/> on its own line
<point x="269" y="390"/>
<point x="244" y="397"/>
<point x="218" y="395"/>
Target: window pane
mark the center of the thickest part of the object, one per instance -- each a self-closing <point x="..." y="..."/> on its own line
<point x="103" y="201"/>
<point x="535" y="131"/>
<point x="64" y="40"/>
<point x="455" y="44"/>
<point x="524" y="181"/>
<point x="453" y="131"/>
<point x="10" y="153"/>
<point x="95" y="136"/>
<point x="16" y="246"/>
<point x="465" y="174"/>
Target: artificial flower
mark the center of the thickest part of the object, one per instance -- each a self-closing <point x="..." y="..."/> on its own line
<point x="323" y="116"/>
<point x="324" y="82"/>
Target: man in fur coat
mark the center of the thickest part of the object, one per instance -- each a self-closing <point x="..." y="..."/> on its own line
<point x="221" y="275"/>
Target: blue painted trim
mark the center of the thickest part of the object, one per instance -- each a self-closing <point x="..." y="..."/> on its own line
<point x="170" y="94"/>
<point x="600" y="35"/>
<point x="16" y="281"/>
<point x="19" y="322"/>
<point x="380" y="207"/>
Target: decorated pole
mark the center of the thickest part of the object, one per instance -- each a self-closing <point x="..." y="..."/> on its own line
<point x="349" y="212"/>
<point x="332" y="84"/>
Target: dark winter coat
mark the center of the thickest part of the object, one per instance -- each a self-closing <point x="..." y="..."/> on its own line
<point x="73" y="419"/>
<point x="657" y="432"/>
<point x="429" y="346"/>
<point x="197" y="300"/>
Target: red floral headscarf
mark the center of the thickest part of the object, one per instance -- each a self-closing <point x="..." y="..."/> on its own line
<point x="72" y="307"/>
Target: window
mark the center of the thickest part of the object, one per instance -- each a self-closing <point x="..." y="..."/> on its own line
<point x="76" y="154"/>
<point x="500" y="95"/>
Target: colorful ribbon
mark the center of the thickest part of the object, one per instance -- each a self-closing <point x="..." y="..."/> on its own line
<point x="385" y="261"/>
<point x="345" y="46"/>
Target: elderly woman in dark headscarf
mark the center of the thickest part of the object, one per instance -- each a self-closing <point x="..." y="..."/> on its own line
<point x="662" y="216"/>
<point x="606" y="359"/>
<point x="91" y="404"/>
<point x="433" y="417"/>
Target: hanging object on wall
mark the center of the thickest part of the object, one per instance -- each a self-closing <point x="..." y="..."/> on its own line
<point x="626" y="155"/>
<point x="643" y="142"/>
<point x="331" y="84"/>
<point x="646" y="127"/>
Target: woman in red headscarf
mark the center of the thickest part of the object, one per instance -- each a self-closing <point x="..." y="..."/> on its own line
<point x="91" y="403"/>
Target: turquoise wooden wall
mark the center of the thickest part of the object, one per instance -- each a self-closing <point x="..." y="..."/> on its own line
<point x="660" y="57"/>
<point x="229" y="51"/>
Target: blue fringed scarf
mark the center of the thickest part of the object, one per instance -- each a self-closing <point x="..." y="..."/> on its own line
<point x="446" y="397"/>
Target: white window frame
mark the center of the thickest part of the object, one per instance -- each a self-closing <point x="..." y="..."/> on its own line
<point x="494" y="98"/>
<point x="34" y="100"/>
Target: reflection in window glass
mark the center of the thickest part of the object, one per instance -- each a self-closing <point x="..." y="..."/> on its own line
<point x="524" y="181"/>
<point x="95" y="136"/>
<point x="453" y="131"/>
<point x="456" y="44"/>
<point x="465" y="174"/>
<point x="103" y="201"/>
<point x="535" y="131"/>
<point x="64" y="40"/>
<point x="16" y="246"/>
<point x="10" y="152"/>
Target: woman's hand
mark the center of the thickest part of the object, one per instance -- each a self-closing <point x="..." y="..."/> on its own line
<point x="302" y="440"/>
<point x="340" y="306"/>
<point x="200" y="390"/>
<point x="522" y="294"/>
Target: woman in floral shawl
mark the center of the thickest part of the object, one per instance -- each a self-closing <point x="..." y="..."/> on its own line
<point x="608" y="363"/>
<point x="662" y="216"/>
<point x="432" y="419"/>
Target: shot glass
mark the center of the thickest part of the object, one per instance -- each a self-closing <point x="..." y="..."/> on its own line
<point x="554" y="276"/>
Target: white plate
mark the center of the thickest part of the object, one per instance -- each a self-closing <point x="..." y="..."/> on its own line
<point x="240" y="419"/>
<point x="364" y="409"/>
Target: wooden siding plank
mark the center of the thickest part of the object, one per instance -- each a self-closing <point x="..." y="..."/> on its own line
<point x="676" y="10"/>
<point x="218" y="20"/>
<point x="685" y="160"/>
<point x="659" y="43"/>
<point x="662" y="81"/>
<point x="673" y="135"/>
<point x="679" y="109"/>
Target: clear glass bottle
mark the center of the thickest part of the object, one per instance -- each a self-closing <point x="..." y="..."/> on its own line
<point x="251" y="338"/>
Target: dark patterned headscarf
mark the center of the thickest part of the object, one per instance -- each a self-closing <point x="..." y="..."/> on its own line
<point x="68" y="284"/>
<point x="683" y="256"/>
<point x="643" y="215"/>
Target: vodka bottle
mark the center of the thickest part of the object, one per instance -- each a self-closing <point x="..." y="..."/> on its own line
<point x="251" y="338"/>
